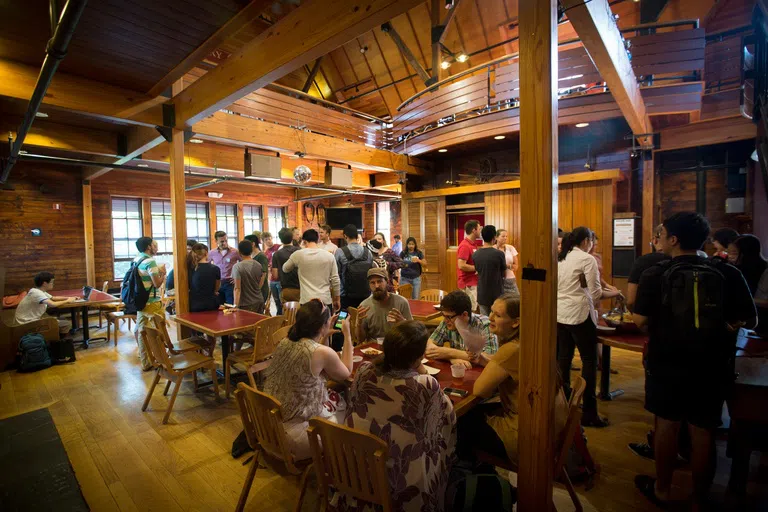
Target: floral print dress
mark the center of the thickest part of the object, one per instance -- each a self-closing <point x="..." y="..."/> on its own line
<point x="409" y="411"/>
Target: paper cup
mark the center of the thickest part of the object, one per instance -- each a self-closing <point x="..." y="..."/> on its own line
<point x="380" y="341"/>
<point x="457" y="371"/>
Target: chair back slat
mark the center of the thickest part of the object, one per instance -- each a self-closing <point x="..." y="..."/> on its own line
<point x="153" y="340"/>
<point x="565" y="440"/>
<point x="263" y="343"/>
<point x="353" y="324"/>
<point x="105" y="286"/>
<point x="265" y="418"/>
<point x="289" y="312"/>
<point x="405" y="290"/>
<point x="350" y="461"/>
<point x="432" y="295"/>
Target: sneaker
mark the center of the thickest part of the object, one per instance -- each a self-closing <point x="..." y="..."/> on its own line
<point x="644" y="450"/>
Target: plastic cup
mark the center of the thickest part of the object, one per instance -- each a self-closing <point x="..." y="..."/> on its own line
<point x="457" y="371"/>
<point x="380" y="341"/>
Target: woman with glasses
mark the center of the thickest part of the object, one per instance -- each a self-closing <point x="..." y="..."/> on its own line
<point x="300" y="369"/>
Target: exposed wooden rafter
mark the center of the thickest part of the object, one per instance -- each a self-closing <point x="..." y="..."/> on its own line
<point x="440" y="31"/>
<point x="139" y="140"/>
<point x="312" y="75"/>
<point x="302" y="36"/>
<point x="408" y="54"/>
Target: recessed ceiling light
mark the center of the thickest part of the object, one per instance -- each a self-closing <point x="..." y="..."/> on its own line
<point x="445" y="64"/>
<point x="41" y="114"/>
<point x="582" y="125"/>
<point x="442" y="150"/>
<point x="142" y="165"/>
<point x="499" y="137"/>
<point x="195" y="141"/>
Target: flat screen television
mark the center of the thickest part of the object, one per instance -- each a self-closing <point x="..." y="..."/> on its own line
<point x="337" y="218"/>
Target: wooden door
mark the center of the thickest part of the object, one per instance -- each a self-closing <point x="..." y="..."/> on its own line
<point x="430" y="244"/>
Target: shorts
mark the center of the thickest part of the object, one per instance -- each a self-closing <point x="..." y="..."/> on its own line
<point x="472" y="292"/>
<point x="697" y="400"/>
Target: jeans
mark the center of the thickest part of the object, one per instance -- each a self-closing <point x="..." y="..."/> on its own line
<point x="274" y="288"/>
<point x="415" y="282"/>
<point x="226" y="292"/>
<point x="584" y="337"/>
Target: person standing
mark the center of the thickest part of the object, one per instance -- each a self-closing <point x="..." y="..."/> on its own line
<point x="411" y="273"/>
<point x="270" y="248"/>
<point x="510" y="256"/>
<point x="152" y="277"/>
<point x="35" y="303"/>
<point x="392" y="260"/>
<point x="204" y="280"/>
<point x="249" y="278"/>
<point x="381" y="310"/>
<point x="491" y="266"/>
<point x="721" y="239"/>
<point x="642" y="264"/>
<point x="325" y="239"/>
<point x="353" y="261"/>
<point x="745" y="253"/>
<point x="296" y="236"/>
<point x="260" y="258"/>
<point x="467" y="275"/>
<point x="397" y="247"/>
<point x="225" y="258"/>
<point x="289" y="281"/>
<point x="318" y="273"/>
<point x="693" y="308"/>
<point x="170" y="284"/>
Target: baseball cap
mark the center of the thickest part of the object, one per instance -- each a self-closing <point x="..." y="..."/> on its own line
<point x="378" y="272"/>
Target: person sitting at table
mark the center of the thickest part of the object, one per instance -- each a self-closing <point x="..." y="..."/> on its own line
<point x="34" y="305"/>
<point x="421" y="434"/>
<point x="493" y="428"/>
<point x="745" y="254"/>
<point x="458" y="322"/>
<point x="300" y="368"/>
<point x="249" y="278"/>
<point x="381" y="310"/>
<point x="204" y="280"/>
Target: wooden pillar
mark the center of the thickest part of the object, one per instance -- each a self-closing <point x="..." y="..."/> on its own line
<point x="649" y="188"/>
<point x="179" y="214"/>
<point x="240" y="224"/>
<point x="538" y="211"/>
<point x="146" y="216"/>
<point x="212" y="223"/>
<point x="90" y="256"/>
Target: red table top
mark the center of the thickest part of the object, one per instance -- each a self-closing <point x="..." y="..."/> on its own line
<point x="444" y="378"/>
<point x="423" y="310"/>
<point x="218" y="323"/>
<point x="97" y="297"/>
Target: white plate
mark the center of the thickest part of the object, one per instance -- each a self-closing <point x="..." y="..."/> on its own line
<point x="357" y="359"/>
<point x="432" y="371"/>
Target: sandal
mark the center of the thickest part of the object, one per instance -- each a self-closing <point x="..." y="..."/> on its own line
<point x="647" y="486"/>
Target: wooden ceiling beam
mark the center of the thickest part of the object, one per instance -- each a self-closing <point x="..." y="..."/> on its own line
<point x="274" y="137"/>
<point x="246" y="15"/>
<point x="595" y="25"/>
<point x="139" y="140"/>
<point x="428" y="80"/>
<point x="312" y="30"/>
<point x="312" y="75"/>
<point x="44" y="134"/>
<point x="705" y="133"/>
<point x="443" y="27"/>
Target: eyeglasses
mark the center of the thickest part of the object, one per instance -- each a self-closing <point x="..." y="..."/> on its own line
<point x="449" y="317"/>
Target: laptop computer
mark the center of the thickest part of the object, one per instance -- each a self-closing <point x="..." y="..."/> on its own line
<point x="87" y="292"/>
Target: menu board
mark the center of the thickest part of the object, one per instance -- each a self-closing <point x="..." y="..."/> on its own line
<point x="623" y="232"/>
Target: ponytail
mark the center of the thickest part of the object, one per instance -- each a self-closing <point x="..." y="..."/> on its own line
<point x="195" y="256"/>
<point x="573" y="239"/>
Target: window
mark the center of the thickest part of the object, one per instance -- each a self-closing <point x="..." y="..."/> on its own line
<point x="252" y="219"/>
<point x="226" y="220"/>
<point x="276" y="219"/>
<point x="126" y="229"/>
<point x="162" y="232"/>
<point x="197" y="223"/>
<point x="383" y="220"/>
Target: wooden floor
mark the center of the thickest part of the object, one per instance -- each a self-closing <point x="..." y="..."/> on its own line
<point x="127" y="460"/>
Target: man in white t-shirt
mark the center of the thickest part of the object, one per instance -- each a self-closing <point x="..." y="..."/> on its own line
<point x="325" y="239"/>
<point x="318" y="273"/>
<point x="38" y="300"/>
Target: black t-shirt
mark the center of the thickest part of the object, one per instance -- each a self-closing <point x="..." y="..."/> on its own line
<point x="287" y="279"/>
<point x="491" y="266"/>
<point x="643" y="263"/>
<point x="672" y="356"/>
<point x="202" y="286"/>
<point x="411" y="270"/>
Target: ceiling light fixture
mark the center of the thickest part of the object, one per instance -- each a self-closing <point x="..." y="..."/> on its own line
<point x="582" y="125"/>
<point x="442" y="150"/>
<point x="462" y="57"/>
<point x="195" y="141"/>
<point x="499" y="137"/>
<point x="445" y="64"/>
<point x="41" y="114"/>
<point x="142" y="165"/>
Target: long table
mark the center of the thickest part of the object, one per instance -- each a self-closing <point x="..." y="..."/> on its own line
<point x="96" y="298"/>
<point x="219" y="324"/>
<point x="444" y="378"/>
<point x="633" y="341"/>
<point x="423" y="310"/>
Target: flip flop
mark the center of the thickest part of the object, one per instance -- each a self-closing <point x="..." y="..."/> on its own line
<point x="646" y="485"/>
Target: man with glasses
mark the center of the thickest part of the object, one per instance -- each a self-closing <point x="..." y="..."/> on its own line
<point x="457" y="319"/>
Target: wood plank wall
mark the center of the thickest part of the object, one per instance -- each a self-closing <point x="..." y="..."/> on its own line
<point x="678" y="193"/>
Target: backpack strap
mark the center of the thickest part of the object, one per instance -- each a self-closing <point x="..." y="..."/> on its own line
<point x="470" y="491"/>
<point x="347" y="254"/>
<point x="137" y="263"/>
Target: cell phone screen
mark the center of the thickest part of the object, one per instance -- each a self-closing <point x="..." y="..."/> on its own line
<point x="456" y="392"/>
<point x="342" y="316"/>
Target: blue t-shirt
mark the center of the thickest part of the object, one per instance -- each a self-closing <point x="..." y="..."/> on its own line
<point x="411" y="270"/>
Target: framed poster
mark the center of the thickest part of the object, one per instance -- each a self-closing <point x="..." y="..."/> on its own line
<point x="623" y="232"/>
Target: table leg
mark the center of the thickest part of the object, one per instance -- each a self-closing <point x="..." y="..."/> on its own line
<point x="73" y="317"/>
<point x="86" y="335"/>
<point x="605" y="377"/>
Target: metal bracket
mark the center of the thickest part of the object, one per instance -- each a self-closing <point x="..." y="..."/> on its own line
<point x="166" y="132"/>
<point x="169" y="115"/>
<point x="122" y="144"/>
<point x="188" y="134"/>
<point x="530" y="273"/>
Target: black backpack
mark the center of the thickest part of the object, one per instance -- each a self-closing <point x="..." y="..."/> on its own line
<point x="133" y="294"/>
<point x="356" y="276"/>
<point x="480" y="493"/>
<point x="693" y="302"/>
<point x="34" y="353"/>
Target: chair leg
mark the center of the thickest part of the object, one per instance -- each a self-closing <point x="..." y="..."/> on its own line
<point x="302" y="487"/>
<point x="571" y="491"/>
<point x="108" y="326"/>
<point x="215" y="380"/>
<point x="227" y="372"/>
<point x="248" y="482"/>
<point x="167" y="387"/>
<point x="101" y="314"/>
<point x="173" y="399"/>
<point x="194" y="379"/>
<point x="151" y="390"/>
<point x="250" y="378"/>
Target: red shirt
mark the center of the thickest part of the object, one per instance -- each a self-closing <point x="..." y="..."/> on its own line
<point x="466" y="248"/>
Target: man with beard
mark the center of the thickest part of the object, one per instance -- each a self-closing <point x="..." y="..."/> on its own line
<point x="381" y="310"/>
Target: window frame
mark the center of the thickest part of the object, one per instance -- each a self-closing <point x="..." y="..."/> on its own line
<point x="385" y="230"/>
<point x="207" y="222"/>
<point x="233" y="218"/>
<point x="250" y="219"/>
<point x="112" y="219"/>
<point x="284" y="219"/>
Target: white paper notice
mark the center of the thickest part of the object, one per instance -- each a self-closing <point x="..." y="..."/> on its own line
<point x="623" y="232"/>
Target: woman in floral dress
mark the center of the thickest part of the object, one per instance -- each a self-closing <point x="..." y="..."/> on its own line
<point x="395" y="399"/>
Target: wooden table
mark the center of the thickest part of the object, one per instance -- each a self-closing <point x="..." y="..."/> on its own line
<point x="97" y="298"/>
<point x="423" y="310"/>
<point x="444" y="378"/>
<point x="219" y="324"/>
<point x="634" y="341"/>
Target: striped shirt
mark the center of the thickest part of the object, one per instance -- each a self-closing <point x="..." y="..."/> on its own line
<point x="147" y="269"/>
<point x="477" y="323"/>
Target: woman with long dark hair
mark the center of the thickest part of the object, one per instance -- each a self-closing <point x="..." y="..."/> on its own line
<point x="204" y="280"/>
<point x="721" y="239"/>
<point x="578" y="292"/>
<point x="746" y="254"/>
<point x="411" y="272"/>
<point x="300" y="369"/>
<point x="393" y="261"/>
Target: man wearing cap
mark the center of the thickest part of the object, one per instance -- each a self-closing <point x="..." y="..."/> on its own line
<point x="381" y="310"/>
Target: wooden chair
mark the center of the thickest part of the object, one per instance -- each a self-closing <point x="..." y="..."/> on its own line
<point x="114" y="318"/>
<point x="353" y="324"/>
<point x="351" y="461"/>
<point x="263" y="425"/>
<point x="289" y="312"/>
<point x="173" y="367"/>
<point x="432" y="295"/>
<point x="268" y="304"/>
<point x="256" y="358"/>
<point x="405" y="290"/>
